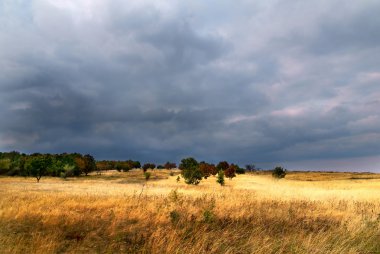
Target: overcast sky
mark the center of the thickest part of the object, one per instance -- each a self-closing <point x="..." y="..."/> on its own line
<point x="295" y="83"/>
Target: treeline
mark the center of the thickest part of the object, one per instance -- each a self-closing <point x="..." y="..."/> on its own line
<point x="118" y="165"/>
<point x="75" y="164"/>
<point x="60" y="165"/>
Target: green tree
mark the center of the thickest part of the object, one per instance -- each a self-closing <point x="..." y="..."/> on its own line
<point x="39" y="165"/>
<point x="279" y="172"/>
<point x="89" y="164"/>
<point x="5" y="165"/>
<point x="190" y="171"/>
<point x="220" y="177"/>
<point x="136" y="164"/>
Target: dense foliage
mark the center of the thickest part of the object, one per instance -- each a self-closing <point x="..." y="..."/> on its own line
<point x="170" y="165"/>
<point x="75" y="164"/>
<point x="59" y="165"/>
<point x="279" y="172"/>
<point x="220" y="178"/>
<point x="230" y="172"/>
<point x="190" y="171"/>
<point x="147" y="166"/>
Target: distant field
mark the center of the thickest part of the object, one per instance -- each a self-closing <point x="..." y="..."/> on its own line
<point x="116" y="212"/>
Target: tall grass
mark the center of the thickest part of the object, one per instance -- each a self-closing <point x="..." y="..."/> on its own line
<point x="122" y="213"/>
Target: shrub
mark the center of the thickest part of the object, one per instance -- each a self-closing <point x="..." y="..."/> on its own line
<point x="279" y="172"/>
<point x="220" y="177"/>
<point x="147" y="175"/>
<point x="174" y="196"/>
<point x="208" y="216"/>
<point x="174" y="216"/>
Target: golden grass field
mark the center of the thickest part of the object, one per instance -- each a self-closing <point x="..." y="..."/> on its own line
<point x="120" y="212"/>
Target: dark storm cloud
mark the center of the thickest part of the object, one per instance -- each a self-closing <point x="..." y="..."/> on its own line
<point x="264" y="82"/>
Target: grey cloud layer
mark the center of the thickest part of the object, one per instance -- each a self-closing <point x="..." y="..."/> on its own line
<point x="269" y="81"/>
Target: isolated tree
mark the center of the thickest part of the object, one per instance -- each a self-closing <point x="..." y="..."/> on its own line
<point x="250" y="167"/>
<point x="223" y="165"/>
<point x="190" y="171"/>
<point x="279" y="172"/>
<point x="230" y="172"/>
<point x="220" y="178"/>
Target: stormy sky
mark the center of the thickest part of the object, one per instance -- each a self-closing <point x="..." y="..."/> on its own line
<point x="269" y="82"/>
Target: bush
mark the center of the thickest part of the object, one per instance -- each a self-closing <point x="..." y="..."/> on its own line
<point x="208" y="216"/>
<point x="174" y="217"/>
<point x="279" y="172"/>
<point x="147" y="175"/>
<point x="220" y="178"/>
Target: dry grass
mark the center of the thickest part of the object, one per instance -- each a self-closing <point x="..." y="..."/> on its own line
<point x="121" y="213"/>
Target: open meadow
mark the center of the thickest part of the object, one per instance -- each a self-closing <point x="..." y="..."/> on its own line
<point x="120" y="212"/>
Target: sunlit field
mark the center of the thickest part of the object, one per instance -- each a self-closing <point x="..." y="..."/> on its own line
<point x="120" y="212"/>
